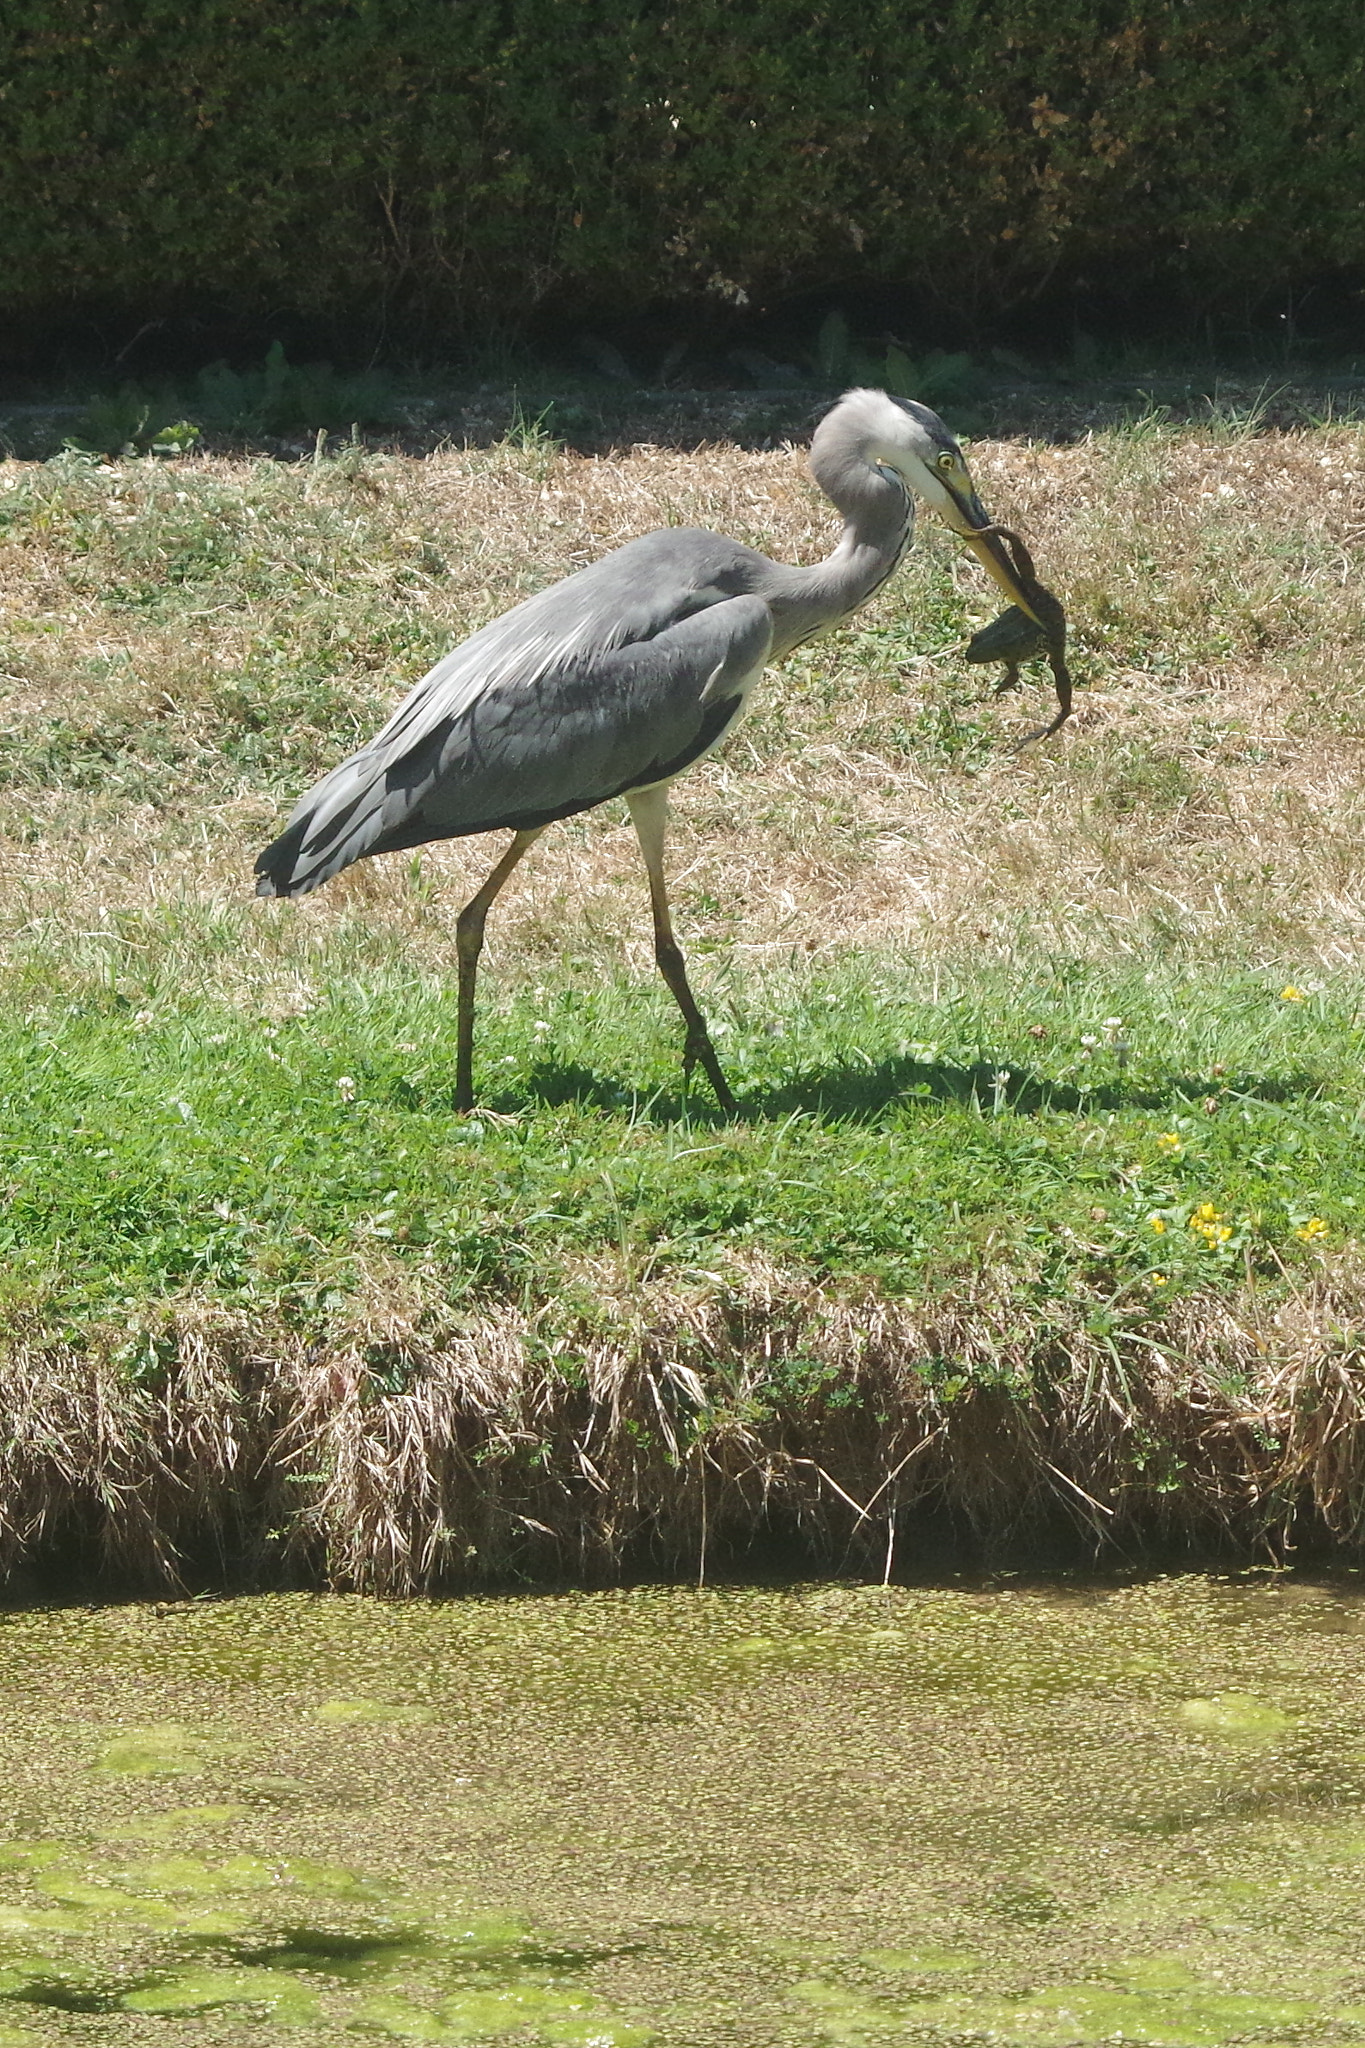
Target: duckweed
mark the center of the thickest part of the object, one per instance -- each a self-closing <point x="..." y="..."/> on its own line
<point x="1050" y="1814"/>
<point x="1237" y="1714"/>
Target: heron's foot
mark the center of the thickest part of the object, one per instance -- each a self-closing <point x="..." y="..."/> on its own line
<point x="698" y="1047"/>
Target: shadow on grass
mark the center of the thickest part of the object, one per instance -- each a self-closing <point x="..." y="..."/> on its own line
<point x="849" y="1094"/>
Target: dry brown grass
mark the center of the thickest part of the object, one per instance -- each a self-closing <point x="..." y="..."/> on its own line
<point x="699" y="1425"/>
<point x="1208" y="792"/>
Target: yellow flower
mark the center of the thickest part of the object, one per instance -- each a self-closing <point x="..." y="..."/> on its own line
<point x="1291" y="994"/>
<point x="1207" y="1222"/>
<point x="1169" y="1141"/>
<point x="1157" y="1279"/>
<point x="1158" y="1224"/>
<point x="1312" y="1230"/>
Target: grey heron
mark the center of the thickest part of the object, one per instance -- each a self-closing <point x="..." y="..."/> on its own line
<point x="613" y="681"/>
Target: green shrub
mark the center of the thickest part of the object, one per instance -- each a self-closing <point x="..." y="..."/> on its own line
<point x="279" y="398"/>
<point x="949" y="381"/>
<point x="282" y="397"/>
<point x="129" y="420"/>
<point x="456" y="162"/>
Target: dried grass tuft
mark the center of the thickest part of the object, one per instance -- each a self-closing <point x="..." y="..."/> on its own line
<point x="399" y="1457"/>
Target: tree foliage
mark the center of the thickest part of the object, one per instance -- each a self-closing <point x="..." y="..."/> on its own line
<point x="469" y="160"/>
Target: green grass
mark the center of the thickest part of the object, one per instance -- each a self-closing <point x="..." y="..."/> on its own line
<point x="895" y="1132"/>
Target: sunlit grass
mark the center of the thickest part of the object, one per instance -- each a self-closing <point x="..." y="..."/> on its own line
<point x="1086" y="1136"/>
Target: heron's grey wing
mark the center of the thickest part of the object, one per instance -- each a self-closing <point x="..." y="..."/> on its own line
<point x="630" y="595"/>
<point x="530" y="747"/>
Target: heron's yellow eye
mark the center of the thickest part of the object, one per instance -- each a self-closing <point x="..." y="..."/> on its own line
<point x="947" y="460"/>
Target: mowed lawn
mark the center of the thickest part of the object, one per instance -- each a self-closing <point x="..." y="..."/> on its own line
<point x="1077" y="1028"/>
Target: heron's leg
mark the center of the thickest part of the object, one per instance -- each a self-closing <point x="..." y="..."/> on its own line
<point x="468" y="946"/>
<point x="649" y="810"/>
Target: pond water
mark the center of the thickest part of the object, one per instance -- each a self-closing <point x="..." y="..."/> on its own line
<point x="1036" y="1813"/>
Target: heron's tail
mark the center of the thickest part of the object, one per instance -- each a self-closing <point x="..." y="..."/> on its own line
<point x="279" y="871"/>
<point x="340" y="820"/>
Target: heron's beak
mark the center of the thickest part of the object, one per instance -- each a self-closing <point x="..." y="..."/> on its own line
<point x="988" y="549"/>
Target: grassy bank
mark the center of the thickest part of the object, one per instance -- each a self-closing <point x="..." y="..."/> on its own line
<point x="1044" y="1201"/>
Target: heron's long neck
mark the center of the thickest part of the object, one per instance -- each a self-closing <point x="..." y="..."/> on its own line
<point x="878" y="518"/>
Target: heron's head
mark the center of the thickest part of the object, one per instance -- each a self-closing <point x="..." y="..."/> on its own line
<point x="908" y="438"/>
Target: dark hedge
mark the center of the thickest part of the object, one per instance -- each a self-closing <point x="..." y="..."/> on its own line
<point x="456" y="162"/>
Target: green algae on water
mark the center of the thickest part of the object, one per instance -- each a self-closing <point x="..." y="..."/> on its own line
<point x="163" y="1750"/>
<point x="1049" y="1814"/>
<point x="181" y="1823"/>
<point x="479" y="2015"/>
<point x="277" y="1998"/>
<point x="347" y="1713"/>
<point x="1237" y="1715"/>
<point x="927" y="1962"/>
